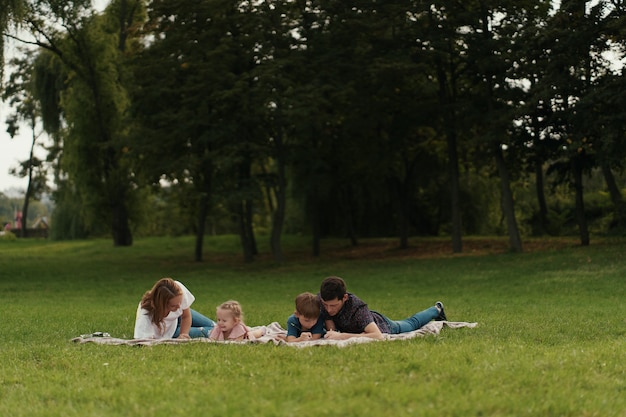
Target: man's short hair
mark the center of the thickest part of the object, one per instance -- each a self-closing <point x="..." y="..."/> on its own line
<point x="332" y="288"/>
<point x="308" y="305"/>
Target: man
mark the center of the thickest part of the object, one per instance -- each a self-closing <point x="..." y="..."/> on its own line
<point x="346" y="315"/>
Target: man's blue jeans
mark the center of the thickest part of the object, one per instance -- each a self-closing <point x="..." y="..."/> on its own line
<point x="414" y="322"/>
<point x="201" y="326"/>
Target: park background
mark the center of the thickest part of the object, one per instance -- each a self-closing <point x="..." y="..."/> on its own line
<point x="470" y="152"/>
<point x="351" y="119"/>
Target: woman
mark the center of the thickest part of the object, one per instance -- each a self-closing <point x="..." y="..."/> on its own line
<point x="164" y="313"/>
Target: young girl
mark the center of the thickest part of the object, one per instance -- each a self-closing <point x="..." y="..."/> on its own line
<point x="164" y="313"/>
<point x="230" y="325"/>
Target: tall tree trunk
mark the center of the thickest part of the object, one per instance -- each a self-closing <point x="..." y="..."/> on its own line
<point x="403" y="188"/>
<point x="455" y="190"/>
<point x="541" y="196"/>
<point x="249" y="211"/>
<point x="314" y="216"/>
<point x="347" y="200"/>
<point x="244" y="211"/>
<point x="403" y="211"/>
<point x="29" y="187"/>
<point x="508" y="206"/>
<point x="446" y="99"/>
<point x="616" y="196"/>
<point x="581" y="219"/>
<point x="539" y="181"/>
<point x="122" y="236"/>
<point x="278" y="220"/>
<point x="280" y="194"/>
<point x="203" y="211"/>
<point x="611" y="184"/>
<point x="244" y="231"/>
<point x="404" y="228"/>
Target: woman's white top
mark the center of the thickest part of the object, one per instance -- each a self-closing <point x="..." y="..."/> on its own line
<point x="145" y="329"/>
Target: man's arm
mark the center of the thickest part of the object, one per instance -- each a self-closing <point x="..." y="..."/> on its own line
<point x="371" y="330"/>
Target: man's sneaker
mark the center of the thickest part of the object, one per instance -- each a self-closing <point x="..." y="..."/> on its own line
<point x="442" y="313"/>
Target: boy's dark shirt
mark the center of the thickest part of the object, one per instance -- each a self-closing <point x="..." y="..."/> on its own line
<point x="354" y="316"/>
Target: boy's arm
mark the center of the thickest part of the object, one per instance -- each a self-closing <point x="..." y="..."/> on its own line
<point x="293" y="331"/>
<point x="317" y="331"/>
<point x="371" y="330"/>
<point x="314" y="333"/>
<point x="304" y="337"/>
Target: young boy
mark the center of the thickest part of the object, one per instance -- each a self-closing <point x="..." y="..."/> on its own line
<point x="305" y="323"/>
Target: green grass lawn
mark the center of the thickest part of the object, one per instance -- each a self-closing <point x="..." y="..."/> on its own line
<point x="550" y="340"/>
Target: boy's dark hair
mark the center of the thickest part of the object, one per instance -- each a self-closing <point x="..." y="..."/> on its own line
<point x="332" y="288"/>
<point x="308" y="305"/>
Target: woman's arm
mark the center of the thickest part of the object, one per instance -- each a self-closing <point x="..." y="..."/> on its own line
<point x="185" y="324"/>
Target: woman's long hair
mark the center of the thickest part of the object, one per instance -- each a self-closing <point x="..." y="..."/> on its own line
<point x="157" y="299"/>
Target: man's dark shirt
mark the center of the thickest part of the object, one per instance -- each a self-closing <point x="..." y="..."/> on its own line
<point x="354" y="316"/>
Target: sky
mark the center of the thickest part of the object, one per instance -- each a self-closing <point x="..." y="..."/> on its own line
<point x="14" y="150"/>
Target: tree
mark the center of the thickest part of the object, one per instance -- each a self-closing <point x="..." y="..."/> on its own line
<point x="491" y="44"/>
<point x="277" y="78"/>
<point x="19" y="93"/>
<point x="95" y="149"/>
<point x="575" y="42"/>
<point x="444" y="46"/>
<point x="606" y="125"/>
<point x="11" y="13"/>
<point x="204" y="114"/>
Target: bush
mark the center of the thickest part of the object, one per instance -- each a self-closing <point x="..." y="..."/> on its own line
<point x="8" y="235"/>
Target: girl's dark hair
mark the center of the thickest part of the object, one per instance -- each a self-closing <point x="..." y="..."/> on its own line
<point x="332" y="288"/>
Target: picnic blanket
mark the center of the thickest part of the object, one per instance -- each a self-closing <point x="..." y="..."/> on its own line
<point x="274" y="333"/>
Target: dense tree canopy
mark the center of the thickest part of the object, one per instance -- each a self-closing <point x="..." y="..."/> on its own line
<point x="334" y="117"/>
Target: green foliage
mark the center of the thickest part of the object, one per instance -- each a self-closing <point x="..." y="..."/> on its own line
<point x="67" y="218"/>
<point x="9" y="205"/>
<point x="366" y="118"/>
<point x="81" y="82"/>
<point x="11" y="13"/>
<point x="550" y="329"/>
<point x="7" y="235"/>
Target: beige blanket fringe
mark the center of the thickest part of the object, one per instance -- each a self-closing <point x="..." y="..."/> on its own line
<point x="275" y="333"/>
